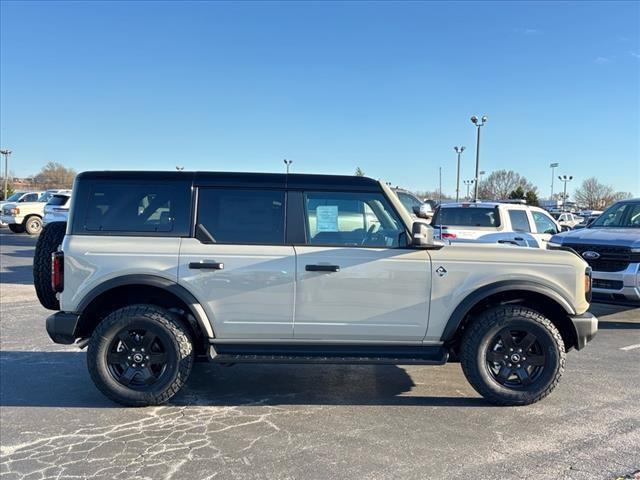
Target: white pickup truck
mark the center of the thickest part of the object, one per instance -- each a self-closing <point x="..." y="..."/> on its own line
<point x="25" y="215"/>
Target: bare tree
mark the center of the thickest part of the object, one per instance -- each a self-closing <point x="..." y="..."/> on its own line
<point x="359" y="172"/>
<point x="593" y="195"/>
<point x="55" y="175"/>
<point x="501" y="183"/>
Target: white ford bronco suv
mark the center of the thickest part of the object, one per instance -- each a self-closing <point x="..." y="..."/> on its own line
<point x="157" y="269"/>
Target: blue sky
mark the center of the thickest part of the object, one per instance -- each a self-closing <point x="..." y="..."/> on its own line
<point x="388" y="87"/>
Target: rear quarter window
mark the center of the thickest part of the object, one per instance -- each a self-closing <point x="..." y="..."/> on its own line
<point x="107" y="207"/>
<point x="58" y="200"/>
<point x="467" y="217"/>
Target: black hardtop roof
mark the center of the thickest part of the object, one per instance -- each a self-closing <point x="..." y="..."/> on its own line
<point x="241" y="179"/>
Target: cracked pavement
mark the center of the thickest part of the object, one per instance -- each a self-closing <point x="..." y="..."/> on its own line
<point x="306" y="421"/>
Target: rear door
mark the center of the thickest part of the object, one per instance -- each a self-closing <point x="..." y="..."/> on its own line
<point x="237" y="264"/>
<point x="356" y="281"/>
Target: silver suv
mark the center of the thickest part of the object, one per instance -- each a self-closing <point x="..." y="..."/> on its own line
<point x="158" y="269"/>
<point x="611" y="245"/>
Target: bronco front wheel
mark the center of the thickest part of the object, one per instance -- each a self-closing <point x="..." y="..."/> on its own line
<point x="140" y="355"/>
<point x="512" y="355"/>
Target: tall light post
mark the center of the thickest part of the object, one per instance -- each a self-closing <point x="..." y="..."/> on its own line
<point x="478" y="124"/>
<point x="566" y="179"/>
<point x="287" y="163"/>
<point x="6" y="154"/>
<point x="553" y="174"/>
<point x="459" y="151"/>
<point x="468" y="183"/>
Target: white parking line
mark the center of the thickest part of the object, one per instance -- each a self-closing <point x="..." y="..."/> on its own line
<point x="631" y="347"/>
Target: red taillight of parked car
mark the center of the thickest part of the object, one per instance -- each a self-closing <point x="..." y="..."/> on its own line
<point x="57" y="271"/>
<point x="445" y="234"/>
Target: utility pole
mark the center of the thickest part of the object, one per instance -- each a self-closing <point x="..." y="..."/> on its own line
<point x="478" y="124"/>
<point x="566" y="179"/>
<point x="440" y="186"/>
<point x="553" y="169"/>
<point x="6" y="154"/>
<point x="287" y="163"/>
<point x="459" y="151"/>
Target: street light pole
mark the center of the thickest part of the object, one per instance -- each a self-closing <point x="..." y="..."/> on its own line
<point x="6" y="154"/>
<point x="478" y="124"/>
<point x="459" y="151"/>
<point x="553" y="169"/>
<point x="566" y="179"/>
<point x="468" y="183"/>
<point x="287" y="163"/>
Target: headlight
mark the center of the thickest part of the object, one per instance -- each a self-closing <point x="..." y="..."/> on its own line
<point x="553" y="245"/>
<point x="14" y="211"/>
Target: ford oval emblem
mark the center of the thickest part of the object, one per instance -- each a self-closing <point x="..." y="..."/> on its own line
<point x="589" y="255"/>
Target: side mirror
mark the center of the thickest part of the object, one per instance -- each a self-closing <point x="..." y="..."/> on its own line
<point x="421" y="235"/>
<point x="564" y="228"/>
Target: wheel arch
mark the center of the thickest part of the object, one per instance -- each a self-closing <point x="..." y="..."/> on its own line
<point x="542" y="298"/>
<point x="141" y="288"/>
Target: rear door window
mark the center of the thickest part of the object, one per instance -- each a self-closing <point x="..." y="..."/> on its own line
<point x="519" y="221"/>
<point x="241" y="216"/>
<point x="58" y="200"/>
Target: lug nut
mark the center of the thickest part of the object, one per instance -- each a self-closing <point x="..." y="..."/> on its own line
<point x="129" y="357"/>
<point x="134" y="365"/>
<point x="142" y="350"/>
<point x="147" y="357"/>
<point x="506" y="356"/>
<point x="142" y="365"/>
<point x="511" y="350"/>
<point x="509" y="365"/>
<point x="518" y="365"/>
<point x="523" y="358"/>
<point x="519" y="350"/>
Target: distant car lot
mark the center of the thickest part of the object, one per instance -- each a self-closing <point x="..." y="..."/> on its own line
<point x="307" y="421"/>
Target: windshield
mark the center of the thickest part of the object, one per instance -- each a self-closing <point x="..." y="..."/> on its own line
<point x="15" y="197"/>
<point x="467" y="217"/>
<point x="620" y="215"/>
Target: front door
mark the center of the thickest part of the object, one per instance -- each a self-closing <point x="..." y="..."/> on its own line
<point x="238" y="265"/>
<point x="356" y="280"/>
<point x="545" y="227"/>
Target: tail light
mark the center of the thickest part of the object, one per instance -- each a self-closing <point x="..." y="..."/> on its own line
<point x="446" y="234"/>
<point x="57" y="271"/>
<point x="588" y="280"/>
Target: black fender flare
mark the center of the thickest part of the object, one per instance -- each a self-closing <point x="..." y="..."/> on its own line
<point x="152" y="281"/>
<point x="465" y="306"/>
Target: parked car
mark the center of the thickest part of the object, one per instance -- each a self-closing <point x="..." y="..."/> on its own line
<point x="611" y="246"/>
<point x="586" y="221"/>
<point x="157" y="269"/>
<point x="26" y="215"/>
<point x="492" y="222"/>
<point x="57" y="208"/>
<point x="18" y="197"/>
<point x="413" y="205"/>
<point x="567" y="219"/>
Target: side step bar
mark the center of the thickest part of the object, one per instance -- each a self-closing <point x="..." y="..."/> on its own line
<point x="328" y="354"/>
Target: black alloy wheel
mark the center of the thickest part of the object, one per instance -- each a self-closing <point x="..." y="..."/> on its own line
<point x="515" y="358"/>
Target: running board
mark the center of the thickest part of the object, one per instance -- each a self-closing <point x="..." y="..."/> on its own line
<point x="328" y="354"/>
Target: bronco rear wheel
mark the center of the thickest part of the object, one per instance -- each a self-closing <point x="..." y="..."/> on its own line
<point x="512" y="355"/>
<point x="140" y="355"/>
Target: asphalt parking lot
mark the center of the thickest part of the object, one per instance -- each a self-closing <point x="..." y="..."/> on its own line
<point x="308" y="422"/>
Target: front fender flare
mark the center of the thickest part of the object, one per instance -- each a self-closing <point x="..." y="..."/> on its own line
<point x="465" y="306"/>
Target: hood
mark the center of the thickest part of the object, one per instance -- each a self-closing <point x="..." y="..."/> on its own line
<point x="620" y="237"/>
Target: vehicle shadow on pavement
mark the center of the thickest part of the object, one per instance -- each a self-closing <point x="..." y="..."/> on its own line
<point x="604" y="325"/>
<point x="60" y="379"/>
<point x="17" y="274"/>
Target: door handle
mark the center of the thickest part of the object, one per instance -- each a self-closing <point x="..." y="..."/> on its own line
<point x="520" y="239"/>
<point x="322" y="268"/>
<point x="206" y="266"/>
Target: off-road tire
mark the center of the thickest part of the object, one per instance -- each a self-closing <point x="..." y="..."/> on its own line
<point x="16" y="227"/>
<point x="48" y="242"/>
<point x="478" y="338"/>
<point x="33" y="225"/>
<point x="136" y="316"/>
